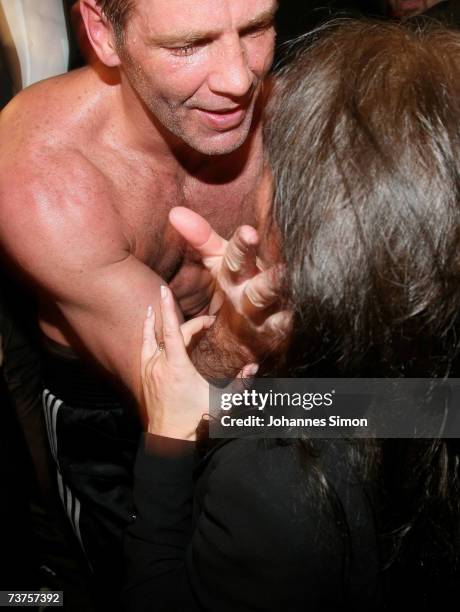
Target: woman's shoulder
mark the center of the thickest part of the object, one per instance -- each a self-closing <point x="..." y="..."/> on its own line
<point x="271" y="505"/>
<point x="284" y="484"/>
<point x="281" y="462"/>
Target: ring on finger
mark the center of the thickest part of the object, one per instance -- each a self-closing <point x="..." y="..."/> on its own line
<point x="160" y="348"/>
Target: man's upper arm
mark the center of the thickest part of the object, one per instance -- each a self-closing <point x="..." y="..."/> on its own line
<point x="69" y="242"/>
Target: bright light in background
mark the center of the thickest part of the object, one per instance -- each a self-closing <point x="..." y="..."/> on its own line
<point x="33" y="34"/>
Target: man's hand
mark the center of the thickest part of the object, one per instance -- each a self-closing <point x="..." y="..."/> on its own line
<point x="246" y="296"/>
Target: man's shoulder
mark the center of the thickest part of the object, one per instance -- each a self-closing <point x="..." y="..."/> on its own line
<point x="50" y="176"/>
<point x="46" y="107"/>
<point x="53" y="195"/>
<point x="54" y="118"/>
<point x="44" y="152"/>
<point x="48" y="163"/>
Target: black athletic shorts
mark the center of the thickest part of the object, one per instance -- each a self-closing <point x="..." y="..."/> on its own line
<point x="93" y="438"/>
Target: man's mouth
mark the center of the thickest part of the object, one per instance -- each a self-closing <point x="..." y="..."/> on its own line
<point x="223" y="119"/>
<point x="407" y="6"/>
<point x="411" y="4"/>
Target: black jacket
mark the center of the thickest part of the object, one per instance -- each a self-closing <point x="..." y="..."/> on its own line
<point x="247" y="529"/>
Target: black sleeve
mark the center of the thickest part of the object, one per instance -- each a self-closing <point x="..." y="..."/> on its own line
<point x="155" y="543"/>
<point x="262" y="538"/>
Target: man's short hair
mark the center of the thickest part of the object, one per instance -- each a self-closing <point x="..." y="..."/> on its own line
<point x="117" y="12"/>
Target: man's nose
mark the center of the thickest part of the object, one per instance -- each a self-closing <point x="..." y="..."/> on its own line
<point x="230" y="75"/>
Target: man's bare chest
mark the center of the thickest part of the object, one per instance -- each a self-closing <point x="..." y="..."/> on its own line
<point x="143" y="211"/>
<point x="144" y="214"/>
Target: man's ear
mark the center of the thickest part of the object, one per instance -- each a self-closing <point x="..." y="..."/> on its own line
<point x="100" y="32"/>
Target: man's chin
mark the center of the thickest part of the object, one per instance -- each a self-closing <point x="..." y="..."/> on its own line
<point x="217" y="149"/>
<point x="221" y="143"/>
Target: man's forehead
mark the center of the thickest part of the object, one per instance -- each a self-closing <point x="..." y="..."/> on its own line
<point x="168" y="17"/>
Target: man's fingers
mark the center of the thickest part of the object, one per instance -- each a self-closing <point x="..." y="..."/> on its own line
<point x="263" y="290"/>
<point x="172" y="337"/>
<point x="197" y="232"/>
<point x="195" y="326"/>
<point x="149" y="342"/>
<point x="240" y="255"/>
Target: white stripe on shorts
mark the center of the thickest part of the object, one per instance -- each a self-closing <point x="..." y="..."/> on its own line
<point x="71" y="503"/>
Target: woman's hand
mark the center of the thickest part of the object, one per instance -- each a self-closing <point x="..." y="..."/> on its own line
<point x="175" y="395"/>
<point x="247" y="295"/>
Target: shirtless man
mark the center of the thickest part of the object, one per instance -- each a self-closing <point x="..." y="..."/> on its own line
<point x="90" y="164"/>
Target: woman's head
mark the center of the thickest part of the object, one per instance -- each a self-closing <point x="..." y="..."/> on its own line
<point x="363" y="135"/>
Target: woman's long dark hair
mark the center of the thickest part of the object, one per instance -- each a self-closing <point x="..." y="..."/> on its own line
<point x="363" y="137"/>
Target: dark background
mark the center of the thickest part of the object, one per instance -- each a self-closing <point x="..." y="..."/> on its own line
<point x="295" y="18"/>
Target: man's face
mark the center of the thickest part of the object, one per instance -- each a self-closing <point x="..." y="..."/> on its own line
<point x="198" y="66"/>
<point x="408" y="8"/>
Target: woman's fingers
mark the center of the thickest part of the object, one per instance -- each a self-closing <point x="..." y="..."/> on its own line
<point x="263" y="290"/>
<point x="217" y="302"/>
<point x="240" y="255"/>
<point x="195" y="326"/>
<point x="280" y="324"/>
<point x="173" y="340"/>
<point x="249" y="371"/>
<point x="149" y="343"/>
<point x="198" y="233"/>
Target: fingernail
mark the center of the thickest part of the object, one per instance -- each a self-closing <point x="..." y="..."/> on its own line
<point x="149" y="312"/>
<point x="163" y="291"/>
<point x="251" y="369"/>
